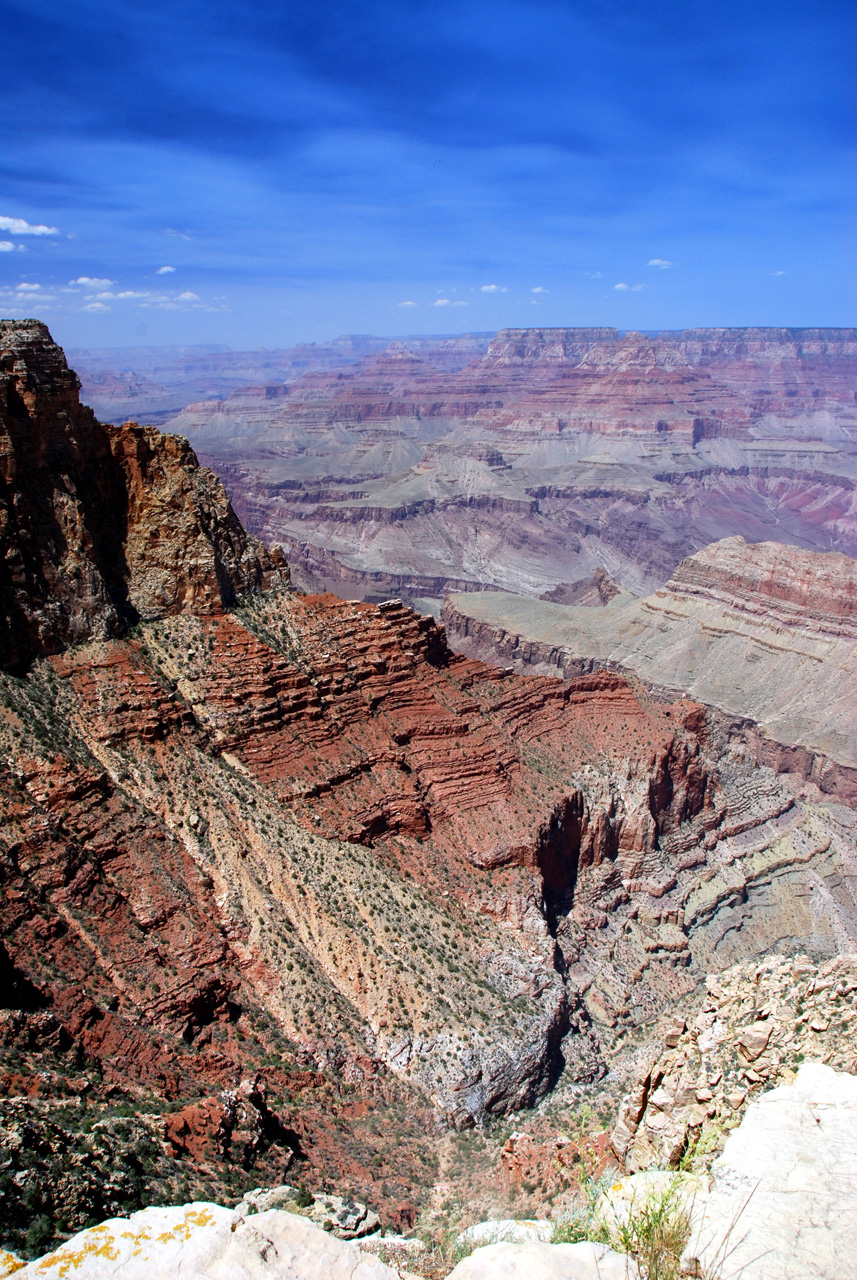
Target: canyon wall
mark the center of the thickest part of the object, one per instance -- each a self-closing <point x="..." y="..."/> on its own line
<point x="765" y="633"/>
<point x="292" y="871"/>
<point x="100" y="527"/>
<point x="553" y="453"/>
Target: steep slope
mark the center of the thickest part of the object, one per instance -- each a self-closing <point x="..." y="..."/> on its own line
<point x="554" y="453"/>
<point x="100" y="526"/>
<point x="766" y="633"/>
<point x="274" y="865"/>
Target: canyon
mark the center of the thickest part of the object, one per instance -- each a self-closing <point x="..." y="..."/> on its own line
<point x="290" y="884"/>
<point x="541" y="459"/>
<point x="765" y="633"/>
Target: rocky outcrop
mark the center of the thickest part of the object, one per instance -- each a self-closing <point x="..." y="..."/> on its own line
<point x="758" y="1023"/>
<point x="782" y="1202"/>
<point x="101" y="526"/>
<point x="763" y="632"/>
<point x="784" y="587"/>
<point x="207" y="1240"/>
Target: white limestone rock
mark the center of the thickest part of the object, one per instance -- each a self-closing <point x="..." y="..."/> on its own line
<point x="496" y="1230"/>
<point x="539" y="1261"/>
<point x="783" y="1205"/>
<point x="206" y="1242"/>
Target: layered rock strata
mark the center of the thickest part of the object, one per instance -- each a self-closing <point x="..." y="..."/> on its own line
<point x="765" y="632"/>
<point x="552" y="453"/>
<point x="101" y="526"/>
<point x="291" y="861"/>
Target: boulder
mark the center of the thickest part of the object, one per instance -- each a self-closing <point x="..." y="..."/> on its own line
<point x="783" y="1205"/>
<point x="516" y="1230"/>
<point x="207" y="1242"/>
<point x="345" y="1217"/>
<point x="539" y="1261"/>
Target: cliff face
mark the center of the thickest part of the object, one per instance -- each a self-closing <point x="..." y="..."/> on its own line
<point x="764" y="632"/>
<point x="553" y="453"/>
<point x="784" y="586"/>
<point x="295" y="859"/>
<point x="101" y="526"/>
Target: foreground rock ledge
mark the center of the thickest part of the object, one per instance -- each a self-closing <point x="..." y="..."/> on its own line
<point x="205" y="1240"/>
<point x="784" y="1201"/>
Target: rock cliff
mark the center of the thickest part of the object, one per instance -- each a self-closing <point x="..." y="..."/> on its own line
<point x="273" y="866"/>
<point x="101" y="526"/>
<point x="552" y="453"/>
<point x="764" y="632"/>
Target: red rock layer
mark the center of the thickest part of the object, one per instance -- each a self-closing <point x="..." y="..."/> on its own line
<point x="99" y="525"/>
<point x="811" y="590"/>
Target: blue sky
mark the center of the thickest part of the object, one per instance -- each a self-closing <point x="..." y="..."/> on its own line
<point x="265" y="173"/>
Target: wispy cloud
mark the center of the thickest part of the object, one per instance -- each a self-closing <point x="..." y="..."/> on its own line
<point x="95" y="306"/>
<point x="409" y="303"/>
<point x="661" y="263"/>
<point x="540" y="289"/>
<point x="629" y="288"/>
<point x="450" y="302"/>
<point x="778" y="273"/>
<point x="164" y="271"/>
<point x="6" y="246"/>
<point x="493" y="288"/>
<point x="593" y="275"/>
<point x="19" y="227"/>
<point x="19" y="299"/>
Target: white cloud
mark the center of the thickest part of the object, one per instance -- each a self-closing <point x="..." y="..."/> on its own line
<point x="406" y="304"/>
<point x="27" y="288"/>
<point x="593" y="275"/>
<point x="6" y="246"/>
<point x="164" y="271"/>
<point x="662" y="263"/>
<point x="188" y="297"/>
<point x="778" y="273"/>
<point x="621" y="286"/>
<point x="493" y="288"/>
<point x="448" y="302"/>
<point x="126" y="293"/>
<point x="19" y="227"/>
<point x="92" y="282"/>
<point x="540" y="289"/>
<point x="95" y="306"/>
<point x="632" y="288"/>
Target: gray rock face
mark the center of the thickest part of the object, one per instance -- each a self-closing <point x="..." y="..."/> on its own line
<point x="784" y="1201"/>
<point x="343" y="1216"/>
